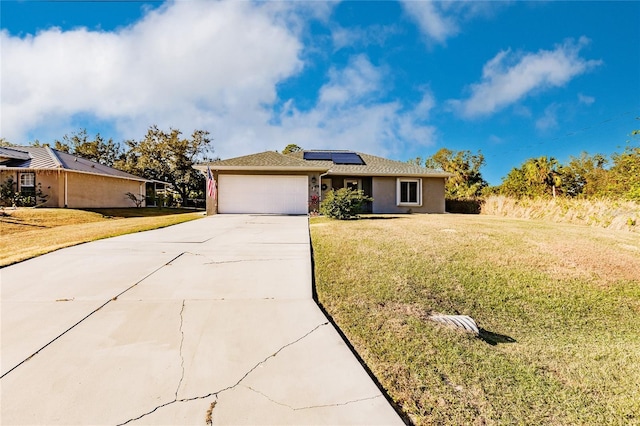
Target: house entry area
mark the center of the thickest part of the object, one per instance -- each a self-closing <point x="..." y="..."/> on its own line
<point x="263" y="194"/>
<point x="362" y="183"/>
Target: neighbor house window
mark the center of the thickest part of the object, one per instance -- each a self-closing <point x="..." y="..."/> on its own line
<point x="27" y="180"/>
<point x="409" y="192"/>
<point x="27" y="184"/>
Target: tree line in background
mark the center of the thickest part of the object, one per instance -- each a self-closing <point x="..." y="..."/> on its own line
<point x="164" y="156"/>
<point x="587" y="176"/>
<point x="167" y="156"/>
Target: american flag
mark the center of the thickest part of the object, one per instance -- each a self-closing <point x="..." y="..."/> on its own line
<point x="211" y="184"/>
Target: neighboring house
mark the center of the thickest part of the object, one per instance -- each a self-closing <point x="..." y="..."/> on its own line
<point x="271" y="182"/>
<point x="68" y="180"/>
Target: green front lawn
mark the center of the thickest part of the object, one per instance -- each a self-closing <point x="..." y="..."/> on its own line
<point x="559" y="306"/>
<point x="28" y="232"/>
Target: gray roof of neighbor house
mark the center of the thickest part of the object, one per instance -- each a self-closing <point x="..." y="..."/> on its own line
<point x="373" y="165"/>
<point x="46" y="158"/>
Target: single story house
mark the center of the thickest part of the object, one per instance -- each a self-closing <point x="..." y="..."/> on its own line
<point x="68" y="180"/>
<point x="275" y="183"/>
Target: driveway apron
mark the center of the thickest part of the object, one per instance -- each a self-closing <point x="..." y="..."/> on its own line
<point x="207" y="322"/>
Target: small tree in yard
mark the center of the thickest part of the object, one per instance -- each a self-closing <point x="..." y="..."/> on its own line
<point x="136" y="200"/>
<point x="7" y="193"/>
<point x="343" y="204"/>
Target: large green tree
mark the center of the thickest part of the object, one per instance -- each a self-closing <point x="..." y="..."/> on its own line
<point x="467" y="181"/>
<point x="584" y="176"/>
<point x="624" y="175"/>
<point x="167" y="156"/>
<point x="96" y="149"/>
<point x="537" y="177"/>
<point x="291" y="148"/>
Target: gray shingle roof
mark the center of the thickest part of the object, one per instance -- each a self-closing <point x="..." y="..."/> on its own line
<point x="46" y="158"/>
<point x="36" y="158"/>
<point x="374" y="166"/>
<point x="12" y="154"/>
<point x="268" y="160"/>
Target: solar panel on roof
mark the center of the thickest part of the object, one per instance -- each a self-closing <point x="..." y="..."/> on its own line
<point x="346" y="158"/>
<point x="314" y="155"/>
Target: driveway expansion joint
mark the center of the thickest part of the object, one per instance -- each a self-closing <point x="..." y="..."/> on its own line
<point x="181" y="343"/>
<point x="112" y="299"/>
<point x="219" y="262"/>
<point x="228" y="388"/>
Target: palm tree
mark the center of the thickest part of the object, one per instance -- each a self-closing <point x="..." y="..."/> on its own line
<point x="542" y="174"/>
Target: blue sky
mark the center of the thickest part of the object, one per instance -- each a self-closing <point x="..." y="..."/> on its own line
<point x="399" y="79"/>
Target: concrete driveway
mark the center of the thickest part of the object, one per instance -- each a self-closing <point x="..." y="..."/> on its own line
<point x="207" y="322"/>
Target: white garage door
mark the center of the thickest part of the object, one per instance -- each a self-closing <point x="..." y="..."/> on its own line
<point x="263" y="194"/>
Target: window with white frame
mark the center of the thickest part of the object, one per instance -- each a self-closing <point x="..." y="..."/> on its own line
<point x="27" y="180"/>
<point x="409" y="192"/>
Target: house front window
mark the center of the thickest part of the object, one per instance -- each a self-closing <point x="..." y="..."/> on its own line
<point x="409" y="192"/>
<point x="353" y="184"/>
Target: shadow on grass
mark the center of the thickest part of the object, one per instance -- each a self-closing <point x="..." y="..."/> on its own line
<point x="19" y="222"/>
<point x="380" y="217"/>
<point x="494" y="338"/>
<point x="10" y="220"/>
<point x="142" y="211"/>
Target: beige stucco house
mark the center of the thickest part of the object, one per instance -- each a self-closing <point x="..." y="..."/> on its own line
<point x="271" y="182"/>
<point x="67" y="180"/>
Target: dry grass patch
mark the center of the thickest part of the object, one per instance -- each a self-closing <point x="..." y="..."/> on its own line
<point x="26" y="233"/>
<point x="611" y="214"/>
<point x="558" y="304"/>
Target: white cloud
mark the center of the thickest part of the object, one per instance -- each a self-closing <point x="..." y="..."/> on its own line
<point x="432" y="19"/>
<point x="549" y="120"/>
<point x="159" y="70"/>
<point x="350" y="114"/>
<point x="361" y="37"/>
<point x="510" y="77"/>
<point x="218" y="73"/>
<point x="495" y="140"/>
<point x="584" y="99"/>
<point x="357" y="81"/>
<point x="441" y="20"/>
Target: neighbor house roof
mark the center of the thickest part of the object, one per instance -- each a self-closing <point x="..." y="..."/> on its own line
<point x="45" y="158"/>
<point x="274" y="161"/>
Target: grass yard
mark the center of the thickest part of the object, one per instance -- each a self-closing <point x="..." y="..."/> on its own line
<point x="559" y="306"/>
<point x="26" y="233"/>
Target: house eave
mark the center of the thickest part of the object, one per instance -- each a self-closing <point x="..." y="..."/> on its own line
<point x="203" y="167"/>
<point x="39" y="169"/>
<point x="370" y="174"/>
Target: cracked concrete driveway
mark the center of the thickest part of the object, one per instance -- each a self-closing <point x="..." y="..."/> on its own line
<point x="207" y="322"/>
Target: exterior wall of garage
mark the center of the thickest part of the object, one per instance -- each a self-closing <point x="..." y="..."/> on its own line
<point x="83" y="190"/>
<point x="384" y="193"/>
<point x="313" y="183"/>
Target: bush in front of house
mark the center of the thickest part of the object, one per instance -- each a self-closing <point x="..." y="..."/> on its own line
<point x="10" y="197"/>
<point x="343" y="204"/>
